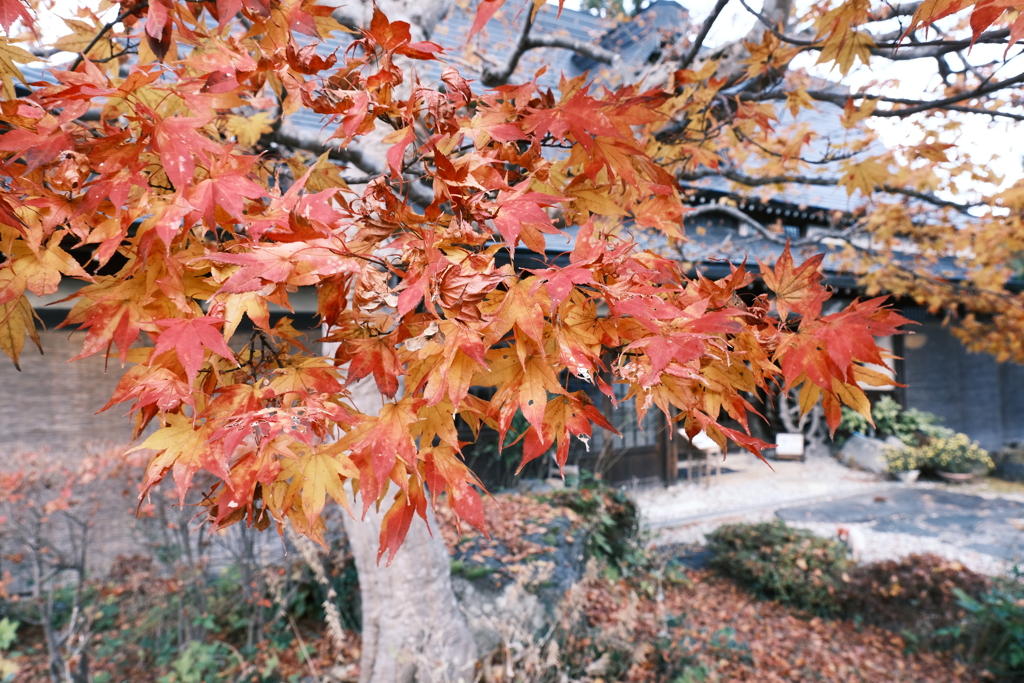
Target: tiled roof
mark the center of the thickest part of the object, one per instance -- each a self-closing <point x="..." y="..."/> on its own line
<point x="639" y="41"/>
<point x="493" y="43"/>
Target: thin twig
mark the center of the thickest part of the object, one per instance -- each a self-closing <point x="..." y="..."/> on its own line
<point x="103" y="31"/>
<point x="302" y="648"/>
<point x="687" y="60"/>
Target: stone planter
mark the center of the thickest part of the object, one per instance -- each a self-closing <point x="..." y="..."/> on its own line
<point x="908" y="477"/>
<point x="959" y="477"/>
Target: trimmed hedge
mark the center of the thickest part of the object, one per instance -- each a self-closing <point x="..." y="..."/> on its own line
<point x="779" y="562"/>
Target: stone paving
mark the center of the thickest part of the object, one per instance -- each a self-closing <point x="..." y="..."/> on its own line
<point x="979" y="525"/>
<point x="988" y="526"/>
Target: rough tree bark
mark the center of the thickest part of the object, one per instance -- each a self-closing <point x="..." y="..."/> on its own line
<point x="413" y="629"/>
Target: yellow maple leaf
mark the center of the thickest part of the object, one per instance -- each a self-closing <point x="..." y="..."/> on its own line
<point x="798" y="99"/>
<point x="248" y="129"/>
<point x="16" y="320"/>
<point x="864" y="176"/>
<point x="82" y="36"/>
<point x="322" y="472"/>
<point x="843" y="47"/>
<point x="852" y="114"/>
<point x="10" y="57"/>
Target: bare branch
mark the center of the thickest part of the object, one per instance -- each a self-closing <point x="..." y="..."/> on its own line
<point x="492" y="78"/>
<point x="889" y="45"/>
<point x="761" y="181"/>
<point x="103" y="31"/>
<point x="987" y="112"/>
<point x="891" y="12"/>
<point x="846" y="235"/>
<point x="687" y="60"/>
<point x="296" y="138"/>
<point x="769" y="25"/>
<point x="913" y="106"/>
<point x="890" y="48"/>
<point x="595" y="52"/>
<point x="499" y="76"/>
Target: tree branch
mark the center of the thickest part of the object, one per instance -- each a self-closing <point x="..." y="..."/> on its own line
<point x="752" y="181"/>
<point x="495" y="77"/>
<point x="988" y="112"/>
<point x="891" y="12"/>
<point x="889" y="46"/>
<point x="687" y="60"/>
<point x="103" y="31"/>
<point x="914" y="106"/>
<point x="296" y="138"/>
<point x="595" y="52"/>
<point x="492" y="78"/>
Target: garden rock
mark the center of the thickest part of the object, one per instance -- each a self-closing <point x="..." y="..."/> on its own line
<point x="1010" y="465"/>
<point x="866" y="453"/>
<point x="506" y="601"/>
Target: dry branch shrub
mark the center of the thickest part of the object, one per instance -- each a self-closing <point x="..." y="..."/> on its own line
<point x="914" y="596"/>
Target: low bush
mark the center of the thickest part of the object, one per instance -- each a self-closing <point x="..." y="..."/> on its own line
<point x="790" y="565"/>
<point x="915" y="596"/>
<point x="611" y="519"/>
<point x="993" y="632"/>
<point x="957" y="454"/>
<point x="913" y="427"/>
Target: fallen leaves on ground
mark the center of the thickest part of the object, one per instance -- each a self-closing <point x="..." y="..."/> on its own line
<point x="714" y="623"/>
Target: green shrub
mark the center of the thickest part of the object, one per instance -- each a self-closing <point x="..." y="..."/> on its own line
<point x="611" y="520"/>
<point x="993" y="632"/>
<point x="790" y="565"/>
<point x="913" y="427"/>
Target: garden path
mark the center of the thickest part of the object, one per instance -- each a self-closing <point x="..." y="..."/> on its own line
<point x="979" y="525"/>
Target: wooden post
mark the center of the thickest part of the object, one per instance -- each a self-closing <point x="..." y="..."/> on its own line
<point x="670" y="451"/>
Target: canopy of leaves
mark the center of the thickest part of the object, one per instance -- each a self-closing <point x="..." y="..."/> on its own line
<point x="160" y="165"/>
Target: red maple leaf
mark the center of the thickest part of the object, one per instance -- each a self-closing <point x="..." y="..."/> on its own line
<point x="11" y="11"/>
<point x="188" y="337"/>
<point x="796" y="289"/>
<point x="227" y="187"/>
<point x="176" y="140"/>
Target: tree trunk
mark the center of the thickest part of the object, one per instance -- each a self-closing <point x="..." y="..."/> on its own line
<point x="413" y="628"/>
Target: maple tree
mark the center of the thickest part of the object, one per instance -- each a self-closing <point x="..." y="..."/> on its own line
<point x="153" y="149"/>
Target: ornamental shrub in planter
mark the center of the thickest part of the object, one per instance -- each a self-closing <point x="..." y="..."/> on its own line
<point x="913" y="427"/>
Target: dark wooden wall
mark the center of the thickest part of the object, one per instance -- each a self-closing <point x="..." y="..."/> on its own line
<point x="971" y="392"/>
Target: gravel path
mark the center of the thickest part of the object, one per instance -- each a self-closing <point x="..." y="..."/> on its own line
<point x="906" y="520"/>
<point x="750" y="488"/>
